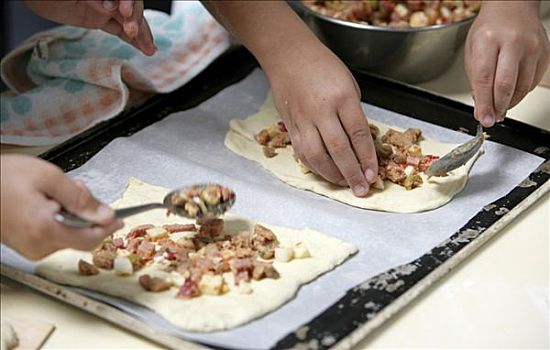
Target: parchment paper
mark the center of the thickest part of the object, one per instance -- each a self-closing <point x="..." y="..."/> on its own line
<point x="187" y="147"/>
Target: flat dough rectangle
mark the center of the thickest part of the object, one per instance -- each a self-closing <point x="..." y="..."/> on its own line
<point x="431" y="194"/>
<point x="205" y="313"/>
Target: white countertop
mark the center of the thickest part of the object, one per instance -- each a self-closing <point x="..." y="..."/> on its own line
<point x="498" y="298"/>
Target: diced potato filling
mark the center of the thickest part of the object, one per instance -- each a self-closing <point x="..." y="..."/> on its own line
<point x="211" y="284"/>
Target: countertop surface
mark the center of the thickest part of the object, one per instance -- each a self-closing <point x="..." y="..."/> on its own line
<point x="498" y="298"/>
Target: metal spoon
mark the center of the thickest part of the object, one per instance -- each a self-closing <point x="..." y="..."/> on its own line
<point x="174" y="202"/>
<point x="458" y="156"/>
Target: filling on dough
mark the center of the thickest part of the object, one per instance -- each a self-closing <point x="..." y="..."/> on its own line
<point x="197" y="256"/>
<point x="400" y="158"/>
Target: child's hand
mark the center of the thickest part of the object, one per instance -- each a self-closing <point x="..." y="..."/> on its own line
<point x="123" y="18"/>
<point x="32" y="191"/>
<point x="506" y="55"/>
<point x="319" y="102"/>
<point x="314" y="92"/>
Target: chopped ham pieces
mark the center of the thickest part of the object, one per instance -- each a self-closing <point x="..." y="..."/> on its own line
<point x="242" y="269"/>
<point x="395" y="150"/>
<point x="264" y="241"/>
<point x="189" y="289"/>
<point x="138" y="231"/>
<point x="211" y="228"/>
<point x="180" y="228"/>
<point x="133" y="244"/>
<point x="197" y="260"/>
<point x="426" y="162"/>
<point x="104" y="259"/>
<point x="87" y="269"/>
<point x="402" y="139"/>
<point x="275" y="136"/>
<point x="154" y="284"/>
<point x="146" y="250"/>
<point x="118" y="243"/>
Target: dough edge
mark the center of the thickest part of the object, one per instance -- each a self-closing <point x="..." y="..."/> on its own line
<point x="433" y="193"/>
<point x="224" y="312"/>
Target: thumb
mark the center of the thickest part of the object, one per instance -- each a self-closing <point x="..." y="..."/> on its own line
<point x="77" y="199"/>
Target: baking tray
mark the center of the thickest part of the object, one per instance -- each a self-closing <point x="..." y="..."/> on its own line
<point x="369" y="304"/>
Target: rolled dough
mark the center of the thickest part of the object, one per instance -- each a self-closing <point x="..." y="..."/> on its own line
<point x="394" y="198"/>
<point x="205" y="313"/>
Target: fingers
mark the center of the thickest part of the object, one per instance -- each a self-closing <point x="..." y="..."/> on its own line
<point x="45" y="235"/>
<point x="126" y="22"/>
<point x="144" y="39"/>
<point x="126" y="8"/>
<point x="340" y="149"/>
<point x="76" y="198"/>
<point x="506" y="76"/>
<point x="63" y="236"/>
<point x="131" y="23"/>
<point x="526" y="76"/>
<point x="357" y="128"/>
<point x="136" y="27"/>
<point x="84" y="239"/>
<point x="481" y="71"/>
<point x="317" y="158"/>
<point x="115" y="28"/>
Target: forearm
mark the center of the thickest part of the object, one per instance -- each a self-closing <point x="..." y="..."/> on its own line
<point x="269" y="29"/>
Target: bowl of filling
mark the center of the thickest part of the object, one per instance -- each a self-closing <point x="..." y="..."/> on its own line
<point x="407" y="40"/>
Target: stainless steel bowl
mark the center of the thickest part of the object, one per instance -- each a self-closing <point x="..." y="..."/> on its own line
<point x="411" y="55"/>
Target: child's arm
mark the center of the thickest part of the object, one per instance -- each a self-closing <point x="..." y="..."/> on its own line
<point x="313" y="90"/>
<point x="506" y="55"/>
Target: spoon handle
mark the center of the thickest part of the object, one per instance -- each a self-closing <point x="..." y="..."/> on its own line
<point x="72" y="220"/>
<point x="129" y="211"/>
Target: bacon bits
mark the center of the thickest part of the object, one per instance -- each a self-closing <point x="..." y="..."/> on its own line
<point x="395" y="150"/>
<point x="154" y="284"/>
<point x="104" y="259"/>
<point x="87" y="269"/>
<point x="197" y="256"/>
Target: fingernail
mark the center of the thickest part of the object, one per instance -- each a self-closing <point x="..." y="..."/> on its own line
<point x="488" y="120"/>
<point x="360" y="190"/>
<point x="103" y="212"/>
<point x="370" y="175"/>
<point x="108" y="5"/>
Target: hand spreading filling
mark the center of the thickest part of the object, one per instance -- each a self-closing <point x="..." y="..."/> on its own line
<point x="400" y="158"/>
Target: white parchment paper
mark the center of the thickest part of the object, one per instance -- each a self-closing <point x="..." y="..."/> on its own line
<point x="187" y="147"/>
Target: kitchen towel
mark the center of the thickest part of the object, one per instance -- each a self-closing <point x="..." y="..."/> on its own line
<point x="65" y="80"/>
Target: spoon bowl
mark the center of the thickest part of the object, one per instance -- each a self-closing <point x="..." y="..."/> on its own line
<point x="199" y="201"/>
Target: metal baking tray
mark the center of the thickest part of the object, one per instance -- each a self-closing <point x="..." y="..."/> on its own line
<point x="368" y="305"/>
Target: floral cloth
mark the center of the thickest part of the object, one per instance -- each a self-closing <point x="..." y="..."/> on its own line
<point x="65" y="80"/>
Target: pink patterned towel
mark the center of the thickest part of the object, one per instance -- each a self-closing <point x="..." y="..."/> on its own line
<point x="65" y="80"/>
